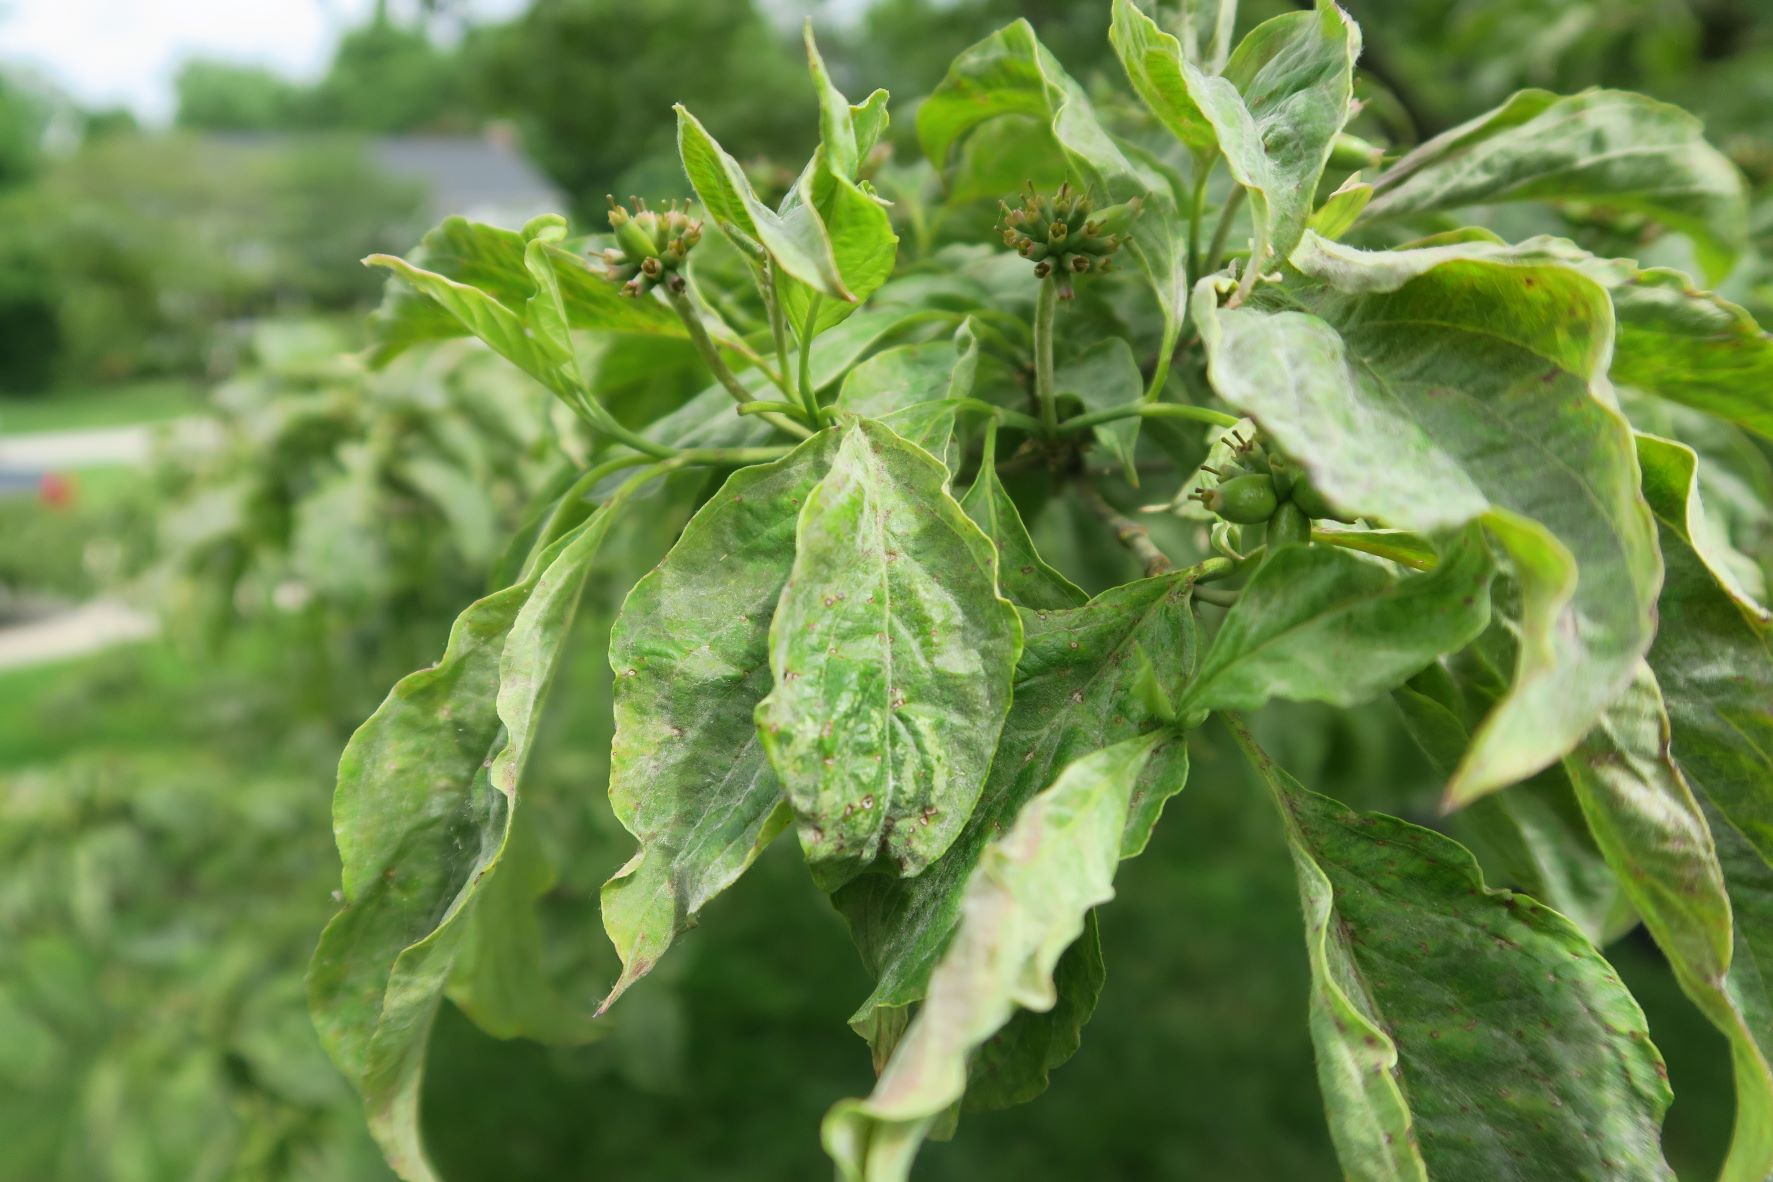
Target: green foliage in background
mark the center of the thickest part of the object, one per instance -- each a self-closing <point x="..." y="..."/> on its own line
<point x="589" y="127"/>
<point x="127" y="257"/>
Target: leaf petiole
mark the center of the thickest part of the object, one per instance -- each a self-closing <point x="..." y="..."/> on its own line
<point x="1148" y="410"/>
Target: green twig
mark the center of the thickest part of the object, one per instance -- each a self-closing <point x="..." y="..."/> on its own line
<point x="1127" y="532"/>
<point x="1196" y="211"/>
<point x="809" y="397"/>
<point x="1148" y="410"/>
<point x="1044" y="308"/>
<point x="999" y="414"/>
<point x="1382" y="545"/>
<point x="1227" y="215"/>
<point x="710" y="354"/>
<point x="1217" y="596"/>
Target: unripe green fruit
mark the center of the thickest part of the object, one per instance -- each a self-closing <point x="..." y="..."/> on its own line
<point x="1289" y="525"/>
<point x="1284" y="473"/>
<point x="1245" y="500"/>
<point x="1308" y="498"/>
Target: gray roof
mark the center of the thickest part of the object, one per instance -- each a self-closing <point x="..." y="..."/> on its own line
<point x="482" y="177"/>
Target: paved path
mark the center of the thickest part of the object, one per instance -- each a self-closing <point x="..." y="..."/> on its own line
<point x="88" y="627"/>
<point x="48" y="451"/>
<point x="73" y="633"/>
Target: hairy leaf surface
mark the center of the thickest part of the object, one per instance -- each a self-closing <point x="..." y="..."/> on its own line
<point x="1431" y="388"/>
<point x="1024" y="905"/>
<point x="1461" y="1032"/>
<point x="1608" y="146"/>
<point x="892" y="656"/>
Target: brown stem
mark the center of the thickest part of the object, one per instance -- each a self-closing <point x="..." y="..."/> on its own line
<point x="1127" y="532"/>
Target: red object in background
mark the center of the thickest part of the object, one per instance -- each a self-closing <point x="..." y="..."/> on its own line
<point x="56" y="490"/>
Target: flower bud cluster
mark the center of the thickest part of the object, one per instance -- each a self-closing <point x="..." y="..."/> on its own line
<point x="651" y="246"/>
<point x="1061" y="237"/>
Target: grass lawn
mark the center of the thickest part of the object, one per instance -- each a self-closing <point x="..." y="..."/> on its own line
<point x="151" y="401"/>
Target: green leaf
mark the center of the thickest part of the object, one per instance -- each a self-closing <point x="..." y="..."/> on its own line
<point x="1024" y="905"/>
<point x="1654" y="834"/>
<point x="1688" y="346"/>
<point x="493" y="260"/>
<point x="1164" y="78"/>
<point x="1714" y="656"/>
<point x="863" y="244"/>
<point x="1606" y="146"/>
<point x="1341" y="209"/>
<point x="892" y="656"/>
<point x="1104" y="375"/>
<point x="1430" y="388"/>
<point x="480" y="315"/>
<point x="1088" y="677"/>
<point x="799" y="243"/>
<point x="1011" y="74"/>
<point x="690" y="652"/>
<point x="899" y="377"/>
<point x="1461" y="1032"/>
<point x="428" y="788"/>
<point x="1024" y="577"/>
<point x="1274" y="112"/>
<point x="1322" y="624"/>
<point x="706" y="420"/>
<point x="498" y="979"/>
<point x="1531" y="835"/>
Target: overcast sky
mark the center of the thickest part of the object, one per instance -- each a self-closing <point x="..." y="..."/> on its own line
<point x="125" y="52"/>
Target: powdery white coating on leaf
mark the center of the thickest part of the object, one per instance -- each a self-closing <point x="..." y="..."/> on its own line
<point x="1714" y="655"/>
<point x="892" y="656"/>
<point x="1024" y="577"/>
<point x="1609" y="146"/>
<point x="1322" y="624"/>
<point x="1519" y="1053"/>
<point x="1432" y="388"/>
<point x="1088" y="677"/>
<point x="1273" y="113"/>
<point x="690" y="653"/>
<point x="1011" y="73"/>
<point x="1024" y="905"/>
<point x="423" y="813"/>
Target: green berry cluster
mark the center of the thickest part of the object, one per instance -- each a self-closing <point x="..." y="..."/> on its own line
<point x="1061" y="236"/>
<point x="652" y="246"/>
<point x="1260" y="486"/>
